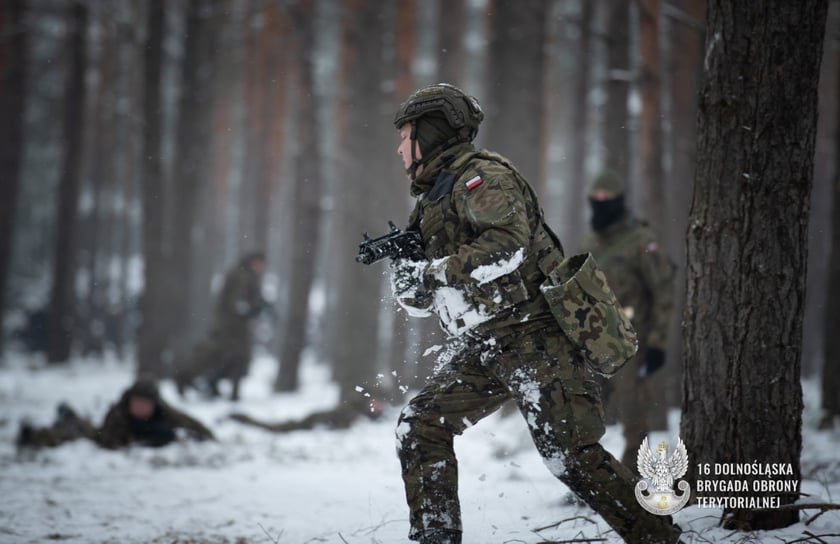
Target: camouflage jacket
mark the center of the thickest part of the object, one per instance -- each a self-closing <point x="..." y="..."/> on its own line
<point x="119" y="429"/>
<point x="640" y="274"/>
<point x="238" y="303"/>
<point x="482" y="230"/>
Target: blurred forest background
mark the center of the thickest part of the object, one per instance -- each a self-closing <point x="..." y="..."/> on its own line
<point x="147" y="145"/>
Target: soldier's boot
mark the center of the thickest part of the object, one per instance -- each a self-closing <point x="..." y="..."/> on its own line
<point x="441" y="536"/>
<point x="234" y="393"/>
<point x="607" y="486"/>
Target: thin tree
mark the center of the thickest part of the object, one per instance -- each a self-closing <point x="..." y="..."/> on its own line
<point x="13" y="46"/>
<point x="62" y="295"/>
<point x="193" y="139"/>
<point x="450" y="42"/>
<point x="355" y="346"/>
<point x="747" y="240"/>
<point x="650" y="116"/>
<point x="685" y="66"/>
<point x="616" y="129"/>
<point x="305" y="226"/>
<point x="514" y="98"/>
<point x="151" y="339"/>
<point x="578" y="139"/>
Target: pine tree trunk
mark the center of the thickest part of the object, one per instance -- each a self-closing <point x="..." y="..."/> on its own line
<point x="579" y="141"/>
<point x="831" y="360"/>
<point x="356" y="347"/>
<point x="514" y="101"/>
<point x="686" y="66"/>
<point x="650" y="117"/>
<point x="450" y="49"/>
<point x="190" y="172"/>
<point x="616" y="133"/>
<point x="151" y="334"/>
<point x="13" y="47"/>
<point x="63" y="295"/>
<point x="747" y="239"/>
<point x="305" y="227"/>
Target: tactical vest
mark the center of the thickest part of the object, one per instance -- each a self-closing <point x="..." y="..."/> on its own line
<point x="443" y="231"/>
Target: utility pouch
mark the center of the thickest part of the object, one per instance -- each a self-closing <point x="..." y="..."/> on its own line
<point x="589" y="313"/>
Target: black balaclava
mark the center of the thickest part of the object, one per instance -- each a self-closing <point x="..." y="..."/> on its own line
<point x="433" y="135"/>
<point x="606" y="212"/>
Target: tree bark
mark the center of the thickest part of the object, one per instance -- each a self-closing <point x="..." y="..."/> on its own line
<point x="514" y="102"/>
<point x="616" y="134"/>
<point x="151" y="334"/>
<point x="305" y="227"/>
<point x="450" y="44"/>
<point x="579" y="137"/>
<point x="747" y="239"/>
<point x="685" y="69"/>
<point x="831" y="360"/>
<point x="63" y="295"/>
<point x="650" y="117"/>
<point x="193" y="139"/>
<point x="13" y="74"/>
<point x="356" y="346"/>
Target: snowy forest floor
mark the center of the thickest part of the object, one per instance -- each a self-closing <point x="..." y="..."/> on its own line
<point x="308" y="486"/>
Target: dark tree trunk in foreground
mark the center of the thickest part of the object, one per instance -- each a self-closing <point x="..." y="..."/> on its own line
<point x="63" y="296"/>
<point x="747" y="239"/>
<point x="831" y="361"/>
<point x="12" y="93"/>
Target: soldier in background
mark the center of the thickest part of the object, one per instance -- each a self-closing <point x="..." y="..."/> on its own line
<point x="140" y="417"/>
<point x="642" y="277"/>
<point x="489" y="251"/>
<point x="226" y="352"/>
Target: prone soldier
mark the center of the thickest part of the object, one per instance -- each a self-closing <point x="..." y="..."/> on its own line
<point x="140" y="416"/>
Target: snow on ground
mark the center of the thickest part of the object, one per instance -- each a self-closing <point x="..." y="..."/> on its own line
<point x="303" y="487"/>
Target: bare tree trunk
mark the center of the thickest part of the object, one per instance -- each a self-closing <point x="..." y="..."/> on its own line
<point x="514" y="105"/>
<point x="616" y="135"/>
<point x="305" y="227"/>
<point x="650" y="118"/>
<point x="685" y="69"/>
<point x="63" y="296"/>
<point x="13" y="47"/>
<point x="747" y="240"/>
<point x="450" y="46"/>
<point x="151" y="335"/>
<point x="357" y="306"/>
<point x="579" y="137"/>
<point x="193" y="140"/>
<point x="831" y="360"/>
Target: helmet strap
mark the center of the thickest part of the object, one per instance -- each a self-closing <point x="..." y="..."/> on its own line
<point x="415" y="164"/>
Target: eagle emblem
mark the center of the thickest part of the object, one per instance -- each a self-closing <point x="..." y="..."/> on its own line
<point x="659" y="472"/>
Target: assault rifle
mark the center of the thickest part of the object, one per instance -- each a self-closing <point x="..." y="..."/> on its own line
<point x="397" y="244"/>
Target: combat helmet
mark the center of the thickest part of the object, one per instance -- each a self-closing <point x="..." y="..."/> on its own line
<point x="460" y="111"/>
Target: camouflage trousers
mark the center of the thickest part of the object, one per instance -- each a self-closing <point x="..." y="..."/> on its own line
<point x="560" y="401"/>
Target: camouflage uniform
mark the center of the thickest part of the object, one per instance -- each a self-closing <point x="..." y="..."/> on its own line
<point x="642" y="277"/>
<point x="483" y="233"/>
<point x="119" y="429"/>
<point x="226" y="353"/>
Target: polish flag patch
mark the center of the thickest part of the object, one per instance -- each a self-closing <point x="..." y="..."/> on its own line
<point x="473" y="182"/>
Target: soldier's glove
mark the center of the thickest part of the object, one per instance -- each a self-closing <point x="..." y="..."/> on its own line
<point x="409" y="288"/>
<point x="654" y="360"/>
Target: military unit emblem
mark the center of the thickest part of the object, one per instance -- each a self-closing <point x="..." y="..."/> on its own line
<point x="660" y="472"/>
